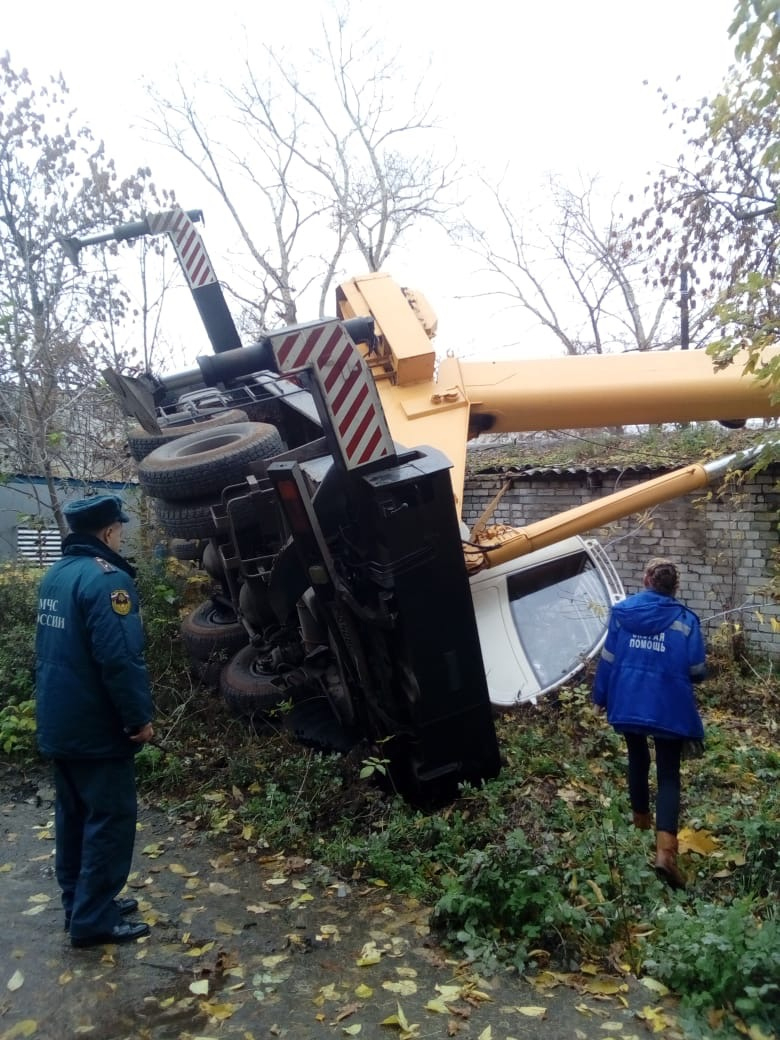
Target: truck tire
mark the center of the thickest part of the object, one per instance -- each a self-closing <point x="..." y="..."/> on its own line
<point x="247" y="690"/>
<point x="187" y="549"/>
<point x="141" y="443"/>
<point x="206" y="461"/>
<point x="194" y="519"/>
<point x="212" y="630"/>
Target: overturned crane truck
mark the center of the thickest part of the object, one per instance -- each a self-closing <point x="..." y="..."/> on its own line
<point x="322" y="470"/>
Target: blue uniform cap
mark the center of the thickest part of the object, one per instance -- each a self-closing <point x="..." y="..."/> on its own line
<point x="95" y="513"/>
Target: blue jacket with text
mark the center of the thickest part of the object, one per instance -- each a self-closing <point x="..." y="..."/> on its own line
<point x="92" y="686"/>
<point x="653" y="654"/>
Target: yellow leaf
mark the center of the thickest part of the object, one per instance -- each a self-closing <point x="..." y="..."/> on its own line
<point x="378" y="882"/>
<point x="273" y="960"/>
<point x="363" y="992"/>
<point x="226" y="928"/>
<point x="369" y="955"/>
<point x="702" y="841"/>
<point x="612" y="1027"/>
<point x="352" y="1030"/>
<point x="589" y="969"/>
<point x="26" y="1027"/>
<point x="15" y="982"/>
<point x="177" y="868"/>
<point x="218" y="889"/>
<point x="200" y="988"/>
<point x="404" y="988"/>
<point x="198" y="951"/>
<point x="437" y="1005"/>
<point x="486" y="1034"/>
<point x="6" y="868"/>
<point x="39" y="897"/>
<point x="655" y="986"/>
<point x="604" y="986"/>
<point x="449" y="993"/>
<point x="261" y="908"/>
<point x="276" y="881"/>
<point x="65" y="978"/>
<point x="153" y="851"/>
<point x="596" y="891"/>
<point x="532" y="1012"/>
<point x="218" y="1011"/>
<point x="550" y="979"/>
<point x="655" y="1017"/>
<point x="34" y="910"/>
<point x="757" y="1033"/>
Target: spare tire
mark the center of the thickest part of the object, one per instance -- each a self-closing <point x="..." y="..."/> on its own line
<point x="141" y="443"/>
<point x="206" y="461"/>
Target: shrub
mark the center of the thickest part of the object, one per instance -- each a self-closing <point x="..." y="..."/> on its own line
<point x="720" y="956"/>
<point x="18" y="609"/>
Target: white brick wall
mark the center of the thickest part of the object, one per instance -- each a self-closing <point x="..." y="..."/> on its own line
<point x="723" y="545"/>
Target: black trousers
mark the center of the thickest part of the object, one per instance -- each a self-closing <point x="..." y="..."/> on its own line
<point x="95" y="819"/>
<point x="667" y="771"/>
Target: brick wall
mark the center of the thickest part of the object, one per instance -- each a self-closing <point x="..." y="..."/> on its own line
<point x="723" y="546"/>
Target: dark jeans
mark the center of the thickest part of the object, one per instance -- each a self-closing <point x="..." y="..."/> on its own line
<point x="95" y="818"/>
<point x="667" y="770"/>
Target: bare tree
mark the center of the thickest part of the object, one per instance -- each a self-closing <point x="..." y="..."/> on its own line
<point x="717" y="208"/>
<point x="54" y="179"/>
<point x="314" y="160"/>
<point x="578" y="272"/>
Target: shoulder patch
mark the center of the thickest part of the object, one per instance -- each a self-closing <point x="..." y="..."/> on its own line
<point x="121" y="602"/>
<point x="104" y="565"/>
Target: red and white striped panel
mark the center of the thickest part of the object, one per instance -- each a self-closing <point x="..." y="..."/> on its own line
<point x="347" y="386"/>
<point x="188" y="245"/>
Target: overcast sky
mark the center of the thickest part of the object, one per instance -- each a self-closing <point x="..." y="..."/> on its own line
<point x="545" y="87"/>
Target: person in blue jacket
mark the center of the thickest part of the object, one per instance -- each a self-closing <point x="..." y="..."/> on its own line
<point x="653" y="654"/>
<point x="94" y="712"/>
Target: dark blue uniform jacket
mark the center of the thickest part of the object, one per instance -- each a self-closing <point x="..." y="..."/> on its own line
<point x="92" y="686"/>
<point x="653" y="654"/>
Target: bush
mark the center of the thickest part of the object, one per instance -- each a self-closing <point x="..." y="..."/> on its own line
<point x="18" y="609"/>
<point x="720" y="956"/>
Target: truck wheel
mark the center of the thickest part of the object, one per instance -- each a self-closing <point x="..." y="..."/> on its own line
<point x="141" y="443"/>
<point x="207" y="460"/>
<point x="194" y="519"/>
<point x="212" y="629"/>
<point x="247" y="690"/>
<point x="187" y="549"/>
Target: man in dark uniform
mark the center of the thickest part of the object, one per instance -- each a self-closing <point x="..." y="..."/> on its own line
<point x="94" y="712"/>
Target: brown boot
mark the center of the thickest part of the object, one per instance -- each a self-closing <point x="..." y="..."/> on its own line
<point x="666" y="860"/>
<point x="643" y="821"/>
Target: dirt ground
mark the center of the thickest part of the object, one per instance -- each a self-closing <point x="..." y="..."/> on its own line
<point x="261" y="945"/>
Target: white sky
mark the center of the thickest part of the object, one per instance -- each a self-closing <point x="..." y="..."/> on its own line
<point x="544" y="87"/>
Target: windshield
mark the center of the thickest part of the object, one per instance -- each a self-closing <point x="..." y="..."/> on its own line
<point x="560" y="610"/>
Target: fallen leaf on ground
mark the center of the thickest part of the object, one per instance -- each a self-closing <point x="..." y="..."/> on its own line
<point x="532" y="1011"/>
<point x="15" y="982"/>
<point x="218" y="889"/>
<point x="655" y="986"/>
<point x="702" y="841"/>
<point x="404" y="988"/>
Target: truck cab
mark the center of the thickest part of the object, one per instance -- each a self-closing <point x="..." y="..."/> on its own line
<point x="543" y="617"/>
